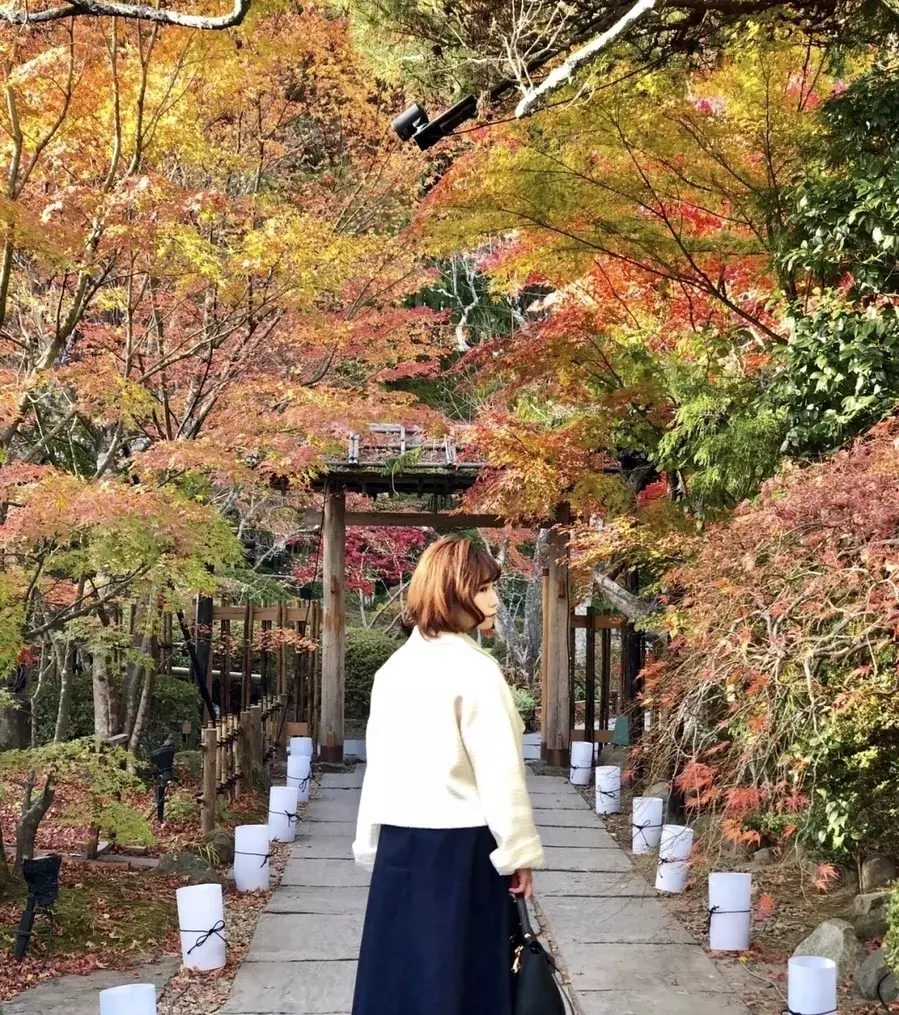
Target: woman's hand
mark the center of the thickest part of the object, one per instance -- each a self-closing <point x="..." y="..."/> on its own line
<point x="522" y="883"/>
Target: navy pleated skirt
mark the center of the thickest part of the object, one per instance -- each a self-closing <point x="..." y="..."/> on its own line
<point x="436" y="937"/>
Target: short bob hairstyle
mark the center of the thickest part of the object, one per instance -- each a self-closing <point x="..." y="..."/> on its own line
<point x="444" y="584"/>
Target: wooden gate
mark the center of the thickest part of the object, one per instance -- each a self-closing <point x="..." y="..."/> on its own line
<point x="618" y="686"/>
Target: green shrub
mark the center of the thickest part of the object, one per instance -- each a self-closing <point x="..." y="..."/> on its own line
<point x="174" y="702"/>
<point x="366" y="653"/>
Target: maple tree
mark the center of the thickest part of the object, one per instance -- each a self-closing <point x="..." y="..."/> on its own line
<point x="201" y="291"/>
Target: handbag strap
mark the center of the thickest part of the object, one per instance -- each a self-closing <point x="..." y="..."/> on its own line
<point x="527" y="932"/>
<point x="524" y="918"/>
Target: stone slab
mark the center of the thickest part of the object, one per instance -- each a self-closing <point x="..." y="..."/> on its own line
<point x="343" y="780"/>
<point x="335" y="794"/>
<point x="559" y="858"/>
<point x="574" y="838"/>
<point x="324" y="874"/>
<point x="283" y="937"/>
<point x="333" y="810"/>
<point x="651" y="1001"/>
<point x="628" y="967"/>
<point x="309" y="830"/>
<point x="558" y="802"/>
<point x="326" y="901"/>
<point x="575" y="818"/>
<point x="591" y="885"/>
<point x="292" y="988"/>
<point x="606" y="921"/>
<point x="324" y="847"/>
<point x="77" y="995"/>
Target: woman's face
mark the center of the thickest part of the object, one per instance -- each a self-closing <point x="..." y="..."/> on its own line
<point x="487" y="601"/>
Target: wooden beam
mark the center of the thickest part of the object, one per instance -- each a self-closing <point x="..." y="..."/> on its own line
<point x="333" y="640"/>
<point x="413" y="519"/>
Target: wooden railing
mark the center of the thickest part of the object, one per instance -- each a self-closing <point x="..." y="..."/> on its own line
<point x="232" y="746"/>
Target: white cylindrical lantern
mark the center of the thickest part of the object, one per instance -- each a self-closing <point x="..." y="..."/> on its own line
<point x="301" y="746"/>
<point x="730" y="908"/>
<point x="201" y="920"/>
<point x="581" y="763"/>
<point x="608" y="789"/>
<point x="251" y="858"/>
<point x="646" y="823"/>
<point x="282" y="813"/>
<point x="130" y="999"/>
<point x="675" y="847"/>
<point x="811" y="985"/>
<point x="299" y="769"/>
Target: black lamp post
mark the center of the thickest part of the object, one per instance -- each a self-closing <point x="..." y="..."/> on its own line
<point x="42" y="878"/>
<point x="163" y="762"/>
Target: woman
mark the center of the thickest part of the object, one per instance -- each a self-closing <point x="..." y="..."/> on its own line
<point x="445" y="821"/>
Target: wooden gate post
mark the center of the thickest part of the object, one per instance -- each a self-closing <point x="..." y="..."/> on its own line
<point x="210" y="776"/>
<point x="558" y="620"/>
<point x="245" y="751"/>
<point x="590" y="678"/>
<point x="333" y="627"/>
<point x="203" y="644"/>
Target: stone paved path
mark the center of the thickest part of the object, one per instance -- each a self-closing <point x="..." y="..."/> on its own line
<point x="626" y="954"/>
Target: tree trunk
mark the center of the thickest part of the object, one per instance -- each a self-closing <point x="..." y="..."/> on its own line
<point x="65" y="658"/>
<point x="102" y="703"/>
<point x="143" y="711"/>
<point x="47" y="661"/>
<point x="533" y="609"/>
<point x="141" y="643"/>
<point x="31" y="817"/>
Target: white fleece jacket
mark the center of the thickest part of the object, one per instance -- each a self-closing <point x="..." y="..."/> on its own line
<point x="444" y="751"/>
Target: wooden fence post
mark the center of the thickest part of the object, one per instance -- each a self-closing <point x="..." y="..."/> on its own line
<point x="245" y="753"/>
<point x="256" y="746"/>
<point x="210" y="777"/>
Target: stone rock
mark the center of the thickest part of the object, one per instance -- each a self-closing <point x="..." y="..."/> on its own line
<point x="877" y="871"/>
<point x="197" y="870"/>
<point x="836" y="940"/>
<point x="875" y="981"/>
<point x="189" y="763"/>
<point x="222" y="842"/>
<point x="705" y="827"/>
<point x="764" y="856"/>
<point x="869" y="926"/>
<point x="871" y="902"/>
<point x="261" y="779"/>
<point x="658" y="789"/>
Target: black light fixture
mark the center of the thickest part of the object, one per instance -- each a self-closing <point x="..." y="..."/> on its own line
<point x="42" y="878"/>
<point x="413" y="124"/>
<point x="163" y="762"/>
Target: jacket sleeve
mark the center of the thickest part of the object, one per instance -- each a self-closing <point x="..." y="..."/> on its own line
<point x="365" y="846"/>
<point x="491" y="731"/>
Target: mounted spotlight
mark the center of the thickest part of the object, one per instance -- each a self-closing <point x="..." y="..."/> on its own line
<point x="413" y="124"/>
<point x="42" y="878"/>
<point x="408" y="123"/>
<point x="163" y="762"/>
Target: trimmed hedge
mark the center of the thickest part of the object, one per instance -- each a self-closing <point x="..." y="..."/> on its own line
<point x="366" y="653"/>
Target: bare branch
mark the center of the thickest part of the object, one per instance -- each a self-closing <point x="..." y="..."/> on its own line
<point x="134" y="12"/>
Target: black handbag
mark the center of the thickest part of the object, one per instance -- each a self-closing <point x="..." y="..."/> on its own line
<point x="537" y="990"/>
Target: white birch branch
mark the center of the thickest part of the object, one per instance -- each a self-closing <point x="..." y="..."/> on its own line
<point x="21" y="15"/>
<point x="563" y="73"/>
